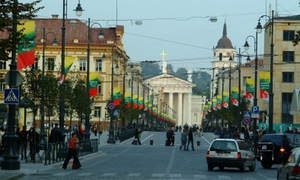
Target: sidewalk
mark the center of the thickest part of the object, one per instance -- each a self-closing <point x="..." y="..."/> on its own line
<point x="33" y="168"/>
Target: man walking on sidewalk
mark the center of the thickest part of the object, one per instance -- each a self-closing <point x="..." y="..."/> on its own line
<point x="72" y="153"/>
<point x="191" y="139"/>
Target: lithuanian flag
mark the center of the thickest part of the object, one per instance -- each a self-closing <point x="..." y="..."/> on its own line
<point x="127" y="100"/>
<point x="135" y="102"/>
<point x="68" y="63"/>
<point x="117" y="96"/>
<point x="26" y="46"/>
<point x="141" y="104"/>
<point x="94" y="82"/>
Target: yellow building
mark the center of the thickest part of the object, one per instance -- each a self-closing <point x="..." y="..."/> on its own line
<point x="104" y="50"/>
<point x="286" y="68"/>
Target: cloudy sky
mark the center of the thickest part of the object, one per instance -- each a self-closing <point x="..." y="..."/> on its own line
<point x="181" y="27"/>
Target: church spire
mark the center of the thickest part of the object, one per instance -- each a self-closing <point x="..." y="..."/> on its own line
<point x="225" y="30"/>
<point x="164" y="62"/>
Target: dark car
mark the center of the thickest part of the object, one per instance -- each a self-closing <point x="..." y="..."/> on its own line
<point x="290" y="170"/>
<point x="274" y="149"/>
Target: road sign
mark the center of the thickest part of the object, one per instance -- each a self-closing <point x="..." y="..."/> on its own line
<point x="255" y="110"/>
<point x="247" y="117"/>
<point x="11" y="96"/>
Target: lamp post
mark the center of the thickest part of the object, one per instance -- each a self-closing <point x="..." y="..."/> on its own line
<point x="246" y="46"/>
<point x="223" y="78"/>
<point x="10" y="157"/>
<point x="271" y="93"/>
<point x="42" y="121"/>
<point x="100" y="36"/>
<point x="79" y="11"/>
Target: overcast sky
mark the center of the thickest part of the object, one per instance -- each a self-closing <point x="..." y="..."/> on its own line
<point x="181" y="27"/>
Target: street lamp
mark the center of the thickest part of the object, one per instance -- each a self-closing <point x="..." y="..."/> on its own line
<point x="42" y="121"/>
<point x="101" y="37"/>
<point x="271" y="94"/>
<point x="79" y="11"/>
<point x="10" y="138"/>
<point x="246" y="46"/>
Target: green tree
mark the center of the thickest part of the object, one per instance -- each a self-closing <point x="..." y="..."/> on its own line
<point x="202" y="81"/>
<point x="150" y="69"/>
<point x="81" y="100"/>
<point x="182" y="73"/>
<point x="23" y="11"/>
<point x="31" y="88"/>
<point x="50" y="88"/>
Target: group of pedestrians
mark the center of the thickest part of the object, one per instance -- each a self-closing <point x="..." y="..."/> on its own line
<point x="187" y="138"/>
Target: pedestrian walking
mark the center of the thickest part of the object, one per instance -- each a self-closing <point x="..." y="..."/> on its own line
<point x="184" y="136"/>
<point x="73" y="147"/>
<point x="23" y="143"/>
<point x="138" y="136"/>
<point x="33" y="138"/>
<point x="55" y="135"/>
<point x="190" y="139"/>
<point x="170" y="137"/>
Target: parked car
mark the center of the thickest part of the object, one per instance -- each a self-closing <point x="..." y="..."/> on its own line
<point x="230" y="153"/>
<point x="290" y="170"/>
<point x="274" y="149"/>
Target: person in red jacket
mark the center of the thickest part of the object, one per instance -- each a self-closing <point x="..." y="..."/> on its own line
<point x="72" y="152"/>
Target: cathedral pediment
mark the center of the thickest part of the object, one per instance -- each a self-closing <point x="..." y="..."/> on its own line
<point x="168" y="80"/>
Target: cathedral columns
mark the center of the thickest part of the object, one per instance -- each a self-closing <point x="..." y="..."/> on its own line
<point x="171" y="103"/>
<point x="179" y="111"/>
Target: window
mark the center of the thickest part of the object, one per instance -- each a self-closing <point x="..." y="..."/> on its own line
<point x="288" y="56"/>
<point x="36" y="63"/>
<point x="220" y="56"/>
<point x="97" y="112"/>
<point x="286" y="106"/>
<point x="82" y="65"/>
<point x="99" y="65"/>
<point x="50" y="64"/>
<point x="2" y="86"/>
<point x="99" y="88"/>
<point x="288" y="77"/>
<point x="2" y="64"/>
<point x="288" y="35"/>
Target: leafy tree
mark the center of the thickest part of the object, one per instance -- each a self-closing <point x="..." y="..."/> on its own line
<point x="81" y="100"/>
<point x="150" y="69"/>
<point x="49" y="86"/>
<point x="182" y="73"/>
<point x="170" y="69"/>
<point x="22" y="11"/>
<point x="32" y="89"/>
<point x="202" y="81"/>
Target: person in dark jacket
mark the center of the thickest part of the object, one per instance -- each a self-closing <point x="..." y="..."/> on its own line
<point x="190" y="139"/>
<point x="23" y="143"/>
<point x="55" y="135"/>
<point x="33" y="138"/>
<point x="137" y="136"/>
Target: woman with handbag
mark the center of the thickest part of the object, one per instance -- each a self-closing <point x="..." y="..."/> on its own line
<point x="73" y="147"/>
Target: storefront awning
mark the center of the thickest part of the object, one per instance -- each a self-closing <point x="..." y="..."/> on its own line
<point x="295" y="106"/>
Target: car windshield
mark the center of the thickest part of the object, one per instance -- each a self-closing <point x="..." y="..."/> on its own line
<point x="276" y="139"/>
<point x="223" y="146"/>
<point x="294" y="139"/>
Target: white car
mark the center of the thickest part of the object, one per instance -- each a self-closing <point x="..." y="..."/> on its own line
<point x="230" y="153"/>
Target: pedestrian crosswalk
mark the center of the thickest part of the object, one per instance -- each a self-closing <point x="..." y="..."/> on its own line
<point x="157" y="176"/>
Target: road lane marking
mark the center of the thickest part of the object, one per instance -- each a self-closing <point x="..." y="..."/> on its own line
<point x="147" y="138"/>
<point x="175" y="176"/>
<point x="62" y="174"/>
<point x="200" y="176"/>
<point x="108" y="174"/>
<point x="158" y="175"/>
<point x="223" y="177"/>
<point x="134" y="174"/>
<point x="85" y="174"/>
<point x="206" y="140"/>
<point x="171" y="162"/>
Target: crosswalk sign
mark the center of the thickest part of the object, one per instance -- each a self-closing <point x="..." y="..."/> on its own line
<point x="11" y="96"/>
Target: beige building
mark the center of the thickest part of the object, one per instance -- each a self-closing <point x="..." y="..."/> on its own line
<point x="103" y="51"/>
<point x="286" y="68"/>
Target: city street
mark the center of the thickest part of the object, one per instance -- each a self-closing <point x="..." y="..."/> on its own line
<point x="126" y="161"/>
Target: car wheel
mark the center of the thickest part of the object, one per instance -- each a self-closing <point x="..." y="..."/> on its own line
<point x="252" y="167"/>
<point x="242" y="168"/>
<point x="266" y="165"/>
<point x="210" y="167"/>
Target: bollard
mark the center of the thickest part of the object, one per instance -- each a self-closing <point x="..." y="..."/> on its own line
<point x="198" y="143"/>
<point x="151" y="142"/>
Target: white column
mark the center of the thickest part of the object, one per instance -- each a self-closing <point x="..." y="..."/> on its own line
<point x="170" y="103"/>
<point x="179" y="111"/>
<point x="189" y="108"/>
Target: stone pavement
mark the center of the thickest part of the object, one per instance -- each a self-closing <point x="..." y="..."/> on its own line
<point x="33" y="168"/>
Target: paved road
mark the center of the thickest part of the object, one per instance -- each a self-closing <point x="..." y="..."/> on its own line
<point x="157" y="162"/>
